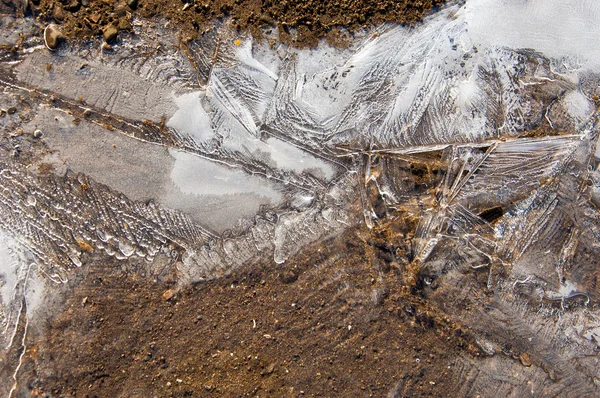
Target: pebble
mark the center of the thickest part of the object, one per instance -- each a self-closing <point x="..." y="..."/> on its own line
<point x="168" y="295"/>
<point x="37" y="133"/>
<point x="53" y="37"/>
<point x="132" y="4"/>
<point x="58" y="13"/>
<point x="525" y="359"/>
<point x="269" y="369"/>
<point x="110" y="33"/>
<point x="85" y="3"/>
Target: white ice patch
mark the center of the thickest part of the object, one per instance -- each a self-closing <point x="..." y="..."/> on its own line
<point x="190" y="118"/>
<point x="244" y="54"/>
<point x="8" y="272"/>
<point x="19" y="282"/>
<point x="289" y="157"/>
<point x="455" y="78"/>
<point x="578" y="105"/>
<point x="556" y="28"/>
<point x="195" y="175"/>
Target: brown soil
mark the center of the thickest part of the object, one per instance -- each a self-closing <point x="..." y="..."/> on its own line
<point x="300" y="23"/>
<point x="338" y="320"/>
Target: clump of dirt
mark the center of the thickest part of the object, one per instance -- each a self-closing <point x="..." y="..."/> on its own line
<point x="337" y="320"/>
<point x="300" y="23"/>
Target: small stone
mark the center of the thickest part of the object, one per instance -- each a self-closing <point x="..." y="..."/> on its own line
<point x="269" y="369"/>
<point x="95" y="18"/>
<point x="85" y="3"/>
<point x="525" y="359"/>
<point x="37" y="133"/>
<point x="106" y="46"/>
<point x="168" y="295"/>
<point x="110" y="33"/>
<point x="53" y="37"/>
<point x="58" y="13"/>
<point x="132" y="4"/>
<point x="12" y="110"/>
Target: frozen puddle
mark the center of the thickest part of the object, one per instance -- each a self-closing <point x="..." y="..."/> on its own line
<point x="216" y="194"/>
<point x="476" y="129"/>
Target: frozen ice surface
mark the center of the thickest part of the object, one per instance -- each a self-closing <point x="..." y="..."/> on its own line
<point x="557" y="29"/>
<point x="480" y="123"/>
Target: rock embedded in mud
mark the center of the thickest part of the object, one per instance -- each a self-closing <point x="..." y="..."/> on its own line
<point x="58" y="13"/>
<point x="110" y="33"/>
<point x="124" y="24"/>
<point x="53" y="37"/>
<point x="525" y="359"/>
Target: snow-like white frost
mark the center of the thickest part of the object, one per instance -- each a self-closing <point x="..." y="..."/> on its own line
<point x="578" y="105"/>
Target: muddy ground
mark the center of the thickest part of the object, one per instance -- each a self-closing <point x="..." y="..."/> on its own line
<point x="300" y="23"/>
<point x="337" y="320"/>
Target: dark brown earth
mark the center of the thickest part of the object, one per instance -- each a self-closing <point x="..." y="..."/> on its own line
<point x="300" y="23"/>
<point x="337" y="320"/>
